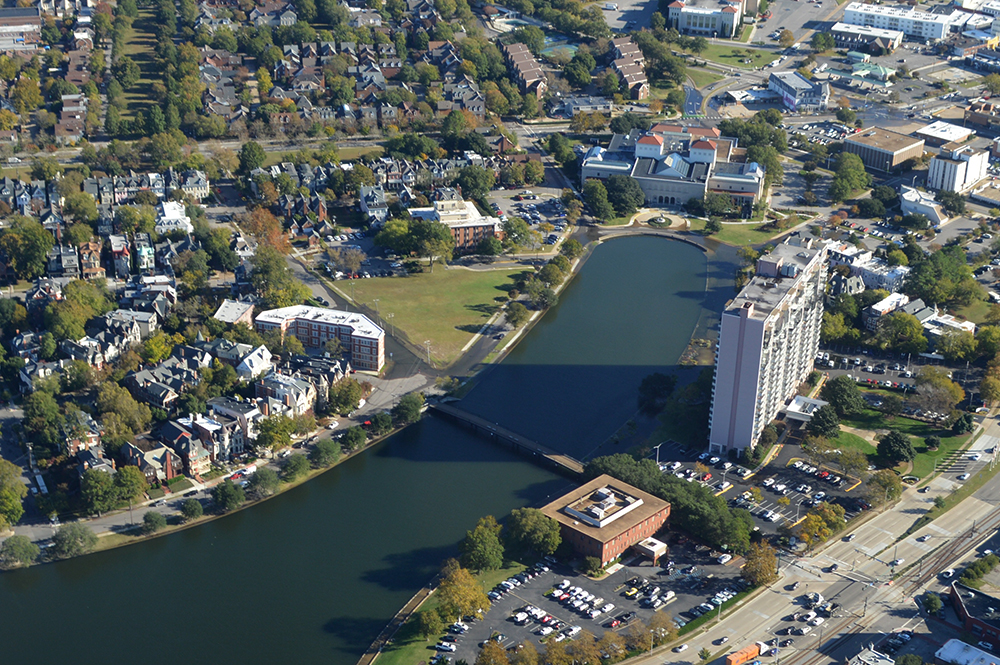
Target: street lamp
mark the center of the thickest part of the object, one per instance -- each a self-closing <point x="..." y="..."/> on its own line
<point x="390" y="316"/>
<point x="375" y="300"/>
<point x="657" y="449"/>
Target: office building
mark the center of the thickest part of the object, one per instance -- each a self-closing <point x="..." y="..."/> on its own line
<point x="913" y="23"/>
<point x="468" y="226"/>
<point x="882" y="149"/>
<point x="720" y="20"/>
<point x="20" y="29"/>
<point x="914" y="202"/>
<point x="314" y="326"/>
<point x="958" y="168"/>
<point x="799" y="93"/>
<point x="605" y="517"/>
<point x="940" y="132"/>
<point x="979" y="615"/>
<point x="768" y="340"/>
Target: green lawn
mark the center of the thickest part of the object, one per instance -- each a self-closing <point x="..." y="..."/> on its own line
<point x="409" y="648"/>
<point x="140" y="47"/>
<point x="745" y="36"/>
<point x="924" y="462"/>
<point x="740" y="234"/>
<point x="733" y="56"/>
<point x="703" y="77"/>
<point x="976" y="312"/>
<point x="848" y="440"/>
<point x="447" y="307"/>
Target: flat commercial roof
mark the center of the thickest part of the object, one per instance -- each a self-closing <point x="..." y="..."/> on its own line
<point x="979" y="605"/>
<point x="944" y="131"/>
<point x="960" y="653"/>
<point x="883" y="139"/>
<point x="360" y="324"/>
<point x="766" y="293"/>
<point x="583" y="497"/>
<point x="231" y="310"/>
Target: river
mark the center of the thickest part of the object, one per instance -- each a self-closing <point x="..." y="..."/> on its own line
<point x="313" y="575"/>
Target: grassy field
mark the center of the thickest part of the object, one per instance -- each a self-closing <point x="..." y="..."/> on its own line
<point x="409" y="648"/>
<point x="745" y="36"/>
<point x="848" y="440"/>
<point x="976" y="312"/>
<point x="140" y="47"/>
<point x="732" y="56"/>
<point x="446" y="307"/>
<point x="703" y="77"/>
<point x="925" y="461"/>
<point x="740" y="234"/>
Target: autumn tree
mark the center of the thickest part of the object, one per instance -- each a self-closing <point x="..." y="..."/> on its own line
<point x="459" y="593"/>
<point x="761" y="567"/>
<point x="822" y="522"/>
<point x="883" y="487"/>
<point x="481" y="549"/>
<point x="492" y="654"/>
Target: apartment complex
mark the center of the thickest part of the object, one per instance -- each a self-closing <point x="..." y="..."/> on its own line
<point x="526" y="69"/>
<point x="674" y="164"/>
<point x="768" y="339"/>
<point x="883" y="150"/>
<point x="721" y="20"/>
<point x="913" y="23"/>
<point x="799" y="93"/>
<point x="957" y="168"/>
<point x="20" y="28"/>
<point x="468" y="226"/>
<point x="630" y="66"/>
<point x="314" y="326"/>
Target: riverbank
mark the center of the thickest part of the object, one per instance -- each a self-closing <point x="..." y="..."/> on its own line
<point x="113" y="539"/>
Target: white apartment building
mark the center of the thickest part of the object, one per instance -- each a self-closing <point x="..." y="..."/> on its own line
<point x="172" y="216"/>
<point x="913" y="23"/>
<point x="914" y="202"/>
<point x="958" y="168"/>
<point x="767" y="343"/>
<point x="314" y="326"/>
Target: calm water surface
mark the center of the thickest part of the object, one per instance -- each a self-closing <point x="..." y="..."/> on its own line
<point x="313" y="575"/>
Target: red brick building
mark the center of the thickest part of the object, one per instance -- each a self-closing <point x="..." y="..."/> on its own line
<point x="605" y="517"/>
<point x="978" y="613"/>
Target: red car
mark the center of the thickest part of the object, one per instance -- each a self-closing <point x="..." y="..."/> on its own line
<point x="707" y="477"/>
<point x="824" y="474"/>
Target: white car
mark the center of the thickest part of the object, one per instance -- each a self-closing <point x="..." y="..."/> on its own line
<point x="897" y="562"/>
<point x="817" y="621"/>
<point x="975" y="456"/>
<point x="333" y="425"/>
<point x="546" y="630"/>
<point x="680" y="648"/>
<point x="674" y="466"/>
<point x="964" y="477"/>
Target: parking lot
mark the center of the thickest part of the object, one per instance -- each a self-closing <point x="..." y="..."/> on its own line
<point x="540" y="208"/>
<point x="377" y="262"/>
<point x="695" y="578"/>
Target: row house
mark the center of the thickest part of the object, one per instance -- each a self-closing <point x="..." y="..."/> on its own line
<point x="121" y="255"/>
<point x="148" y="322"/>
<point x="322" y="372"/>
<point x="81" y="433"/>
<point x="300" y="205"/>
<point x="45" y="290"/>
<point x="629" y="64"/>
<point x="192" y="182"/>
<point x="145" y="258"/>
<point x="179" y="437"/>
<point x="156" y="461"/>
<point x="161" y="386"/>
<point x="119" y="190"/>
<point x="243" y="413"/>
<point x="63" y="261"/>
<point x="27" y="345"/>
<point x="90" y="261"/>
<point x="286" y="394"/>
<point x="525" y="69"/>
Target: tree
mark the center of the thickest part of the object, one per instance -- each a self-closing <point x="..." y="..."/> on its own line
<point x="704" y="653"/>
<point x="516" y="314"/>
<point x="325" y="453"/>
<point x="822" y="522"/>
<point x="73" y="540"/>
<point x="153" y="521"/>
<point x="492" y="654"/>
<point x="18" y="551"/>
<point x="786" y="38"/>
<point x="992" y="83"/>
<point x="847" y="116"/>
<point x="895" y="447"/>
<point x="345" y="395"/>
<point x="228" y="496"/>
<point x="952" y="202"/>
<point x="902" y="333"/>
<point x="460" y="593"/>
<point x="476" y="181"/>
<point x="98" y="491"/>
<point x="354" y="438"/>
<point x="251" y="157"/>
<point x="12" y="492"/>
<point x="408" y="409"/>
<point x="263" y="483"/>
<point x="191" y="509"/>
<point x="530" y="530"/>
<point x="932" y="601"/>
<point x="294" y="468"/>
<point x="989" y="390"/>
<point x="963" y="424"/>
<point x="130" y="483"/>
<point x="824" y="422"/>
<point x="823" y="41"/>
<point x="957" y="345"/>
<point x="843" y="395"/>
<point x="624" y="194"/>
<point x="761" y="565"/>
<point x="25" y="243"/>
<point x="481" y="550"/>
<point x="429" y="623"/>
<point x="883" y="486"/>
<point x="126" y="72"/>
<point x="595" y="194"/>
<point x="654" y="390"/>
<point x="571" y="248"/>
<point x="937" y="392"/>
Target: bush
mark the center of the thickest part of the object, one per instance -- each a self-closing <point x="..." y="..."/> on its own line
<point x="592" y="566"/>
<point x="932" y="602"/>
<point x="191" y="509"/>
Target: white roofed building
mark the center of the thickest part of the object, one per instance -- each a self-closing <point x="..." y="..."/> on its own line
<point x="314" y="326"/>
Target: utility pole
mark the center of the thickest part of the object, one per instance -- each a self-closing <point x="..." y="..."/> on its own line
<point x="390" y="316"/>
<point x="427" y="343"/>
<point x="657" y="448"/>
<point x="377" y="317"/>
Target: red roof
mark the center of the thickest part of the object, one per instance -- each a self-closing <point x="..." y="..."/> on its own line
<point x="729" y="10"/>
<point x="651" y="140"/>
<point x="703" y="145"/>
<point x="675" y="3"/>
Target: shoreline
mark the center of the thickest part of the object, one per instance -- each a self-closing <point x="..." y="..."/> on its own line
<point x="135" y="536"/>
